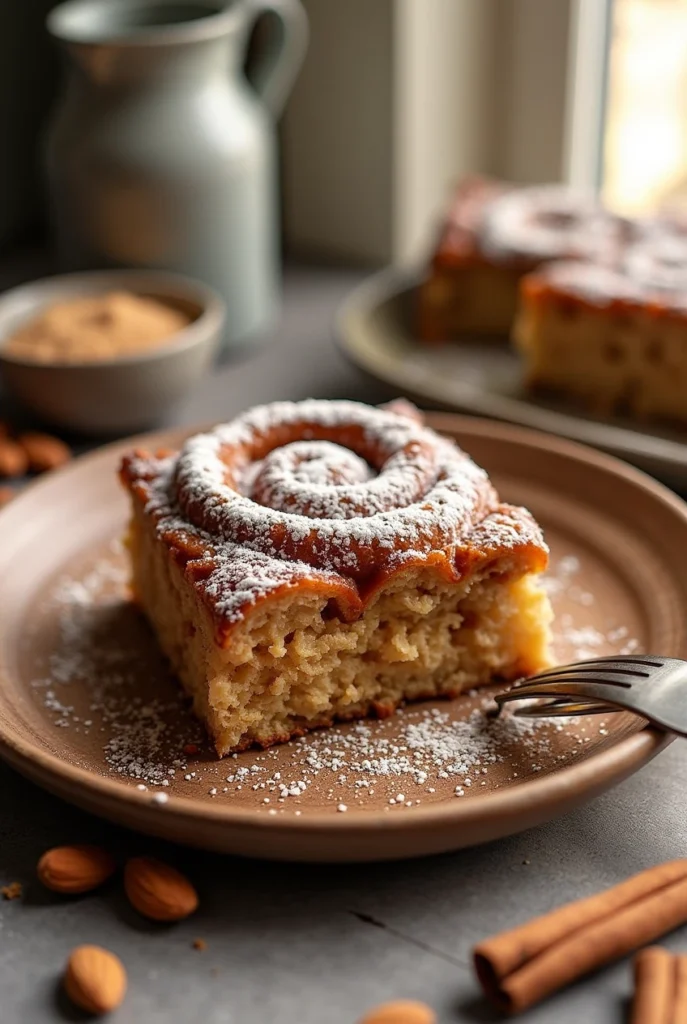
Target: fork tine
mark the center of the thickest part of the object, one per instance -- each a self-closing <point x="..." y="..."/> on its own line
<point x="582" y="675"/>
<point x="591" y="676"/>
<point x="576" y="700"/>
<point x="608" y="668"/>
<point x="616" y="662"/>
<point x="628" y="659"/>
<point x="591" y="689"/>
<point x="564" y="709"/>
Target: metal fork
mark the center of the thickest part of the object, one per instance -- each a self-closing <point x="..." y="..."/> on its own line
<point x="650" y="686"/>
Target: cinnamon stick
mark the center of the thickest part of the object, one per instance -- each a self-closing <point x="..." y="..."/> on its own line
<point x="521" y="967"/>
<point x="660" y="988"/>
<point x="654" y="986"/>
<point x="680" y="1010"/>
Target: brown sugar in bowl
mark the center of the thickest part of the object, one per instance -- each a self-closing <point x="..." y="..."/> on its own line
<point x="97" y="328"/>
<point x="123" y="393"/>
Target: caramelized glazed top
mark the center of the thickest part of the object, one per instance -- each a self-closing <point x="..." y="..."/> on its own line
<point x="650" y="274"/>
<point x="336" y="497"/>
<point x="522" y="227"/>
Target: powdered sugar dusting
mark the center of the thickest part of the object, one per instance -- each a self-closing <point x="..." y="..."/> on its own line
<point x="546" y="222"/>
<point x="423" y="749"/>
<point x="92" y="679"/>
<point x="575" y="638"/>
<point x="600" y="286"/>
<point x="651" y="269"/>
<point x="424" y="494"/>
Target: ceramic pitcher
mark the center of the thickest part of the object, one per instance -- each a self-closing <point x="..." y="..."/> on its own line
<point x="162" y="150"/>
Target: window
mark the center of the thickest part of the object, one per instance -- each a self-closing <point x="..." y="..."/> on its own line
<point x="645" y="146"/>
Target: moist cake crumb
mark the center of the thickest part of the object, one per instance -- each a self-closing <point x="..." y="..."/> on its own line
<point x="423" y="746"/>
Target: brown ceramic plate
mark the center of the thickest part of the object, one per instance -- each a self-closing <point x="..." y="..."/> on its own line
<point x="375" y="328"/>
<point x="88" y="710"/>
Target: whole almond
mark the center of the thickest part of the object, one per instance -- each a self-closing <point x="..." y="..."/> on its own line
<point x="44" y="451"/>
<point x="74" y="869"/>
<point x="95" y="979"/>
<point x="157" y="890"/>
<point x="13" y="459"/>
<point x="403" y="1011"/>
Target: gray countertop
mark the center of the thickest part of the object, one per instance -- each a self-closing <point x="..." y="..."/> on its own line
<point x="319" y="945"/>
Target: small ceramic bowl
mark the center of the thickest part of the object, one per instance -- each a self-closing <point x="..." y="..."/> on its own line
<point x="119" y="395"/>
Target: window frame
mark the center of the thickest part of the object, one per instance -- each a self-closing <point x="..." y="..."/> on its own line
<point x="514" y="88"/>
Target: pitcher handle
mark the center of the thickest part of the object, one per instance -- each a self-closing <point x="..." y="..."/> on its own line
<point x="274" y="72"/>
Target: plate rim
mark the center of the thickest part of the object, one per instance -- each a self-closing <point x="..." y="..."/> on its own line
<point x="610" y="765"/>
<point x="621" y="441"/>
